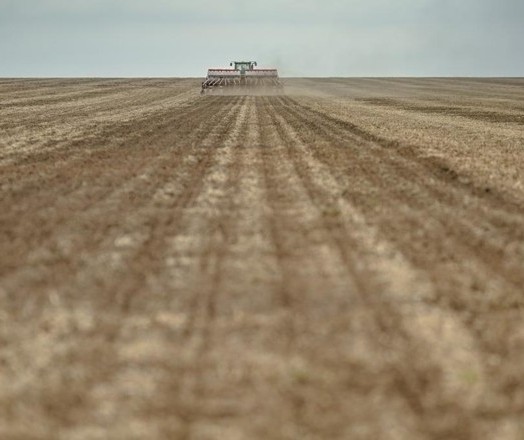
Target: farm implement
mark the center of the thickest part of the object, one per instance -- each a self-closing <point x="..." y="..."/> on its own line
<point x="241" y="74"/>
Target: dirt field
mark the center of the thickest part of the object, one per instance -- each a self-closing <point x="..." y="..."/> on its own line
<point x="342" y="262"/>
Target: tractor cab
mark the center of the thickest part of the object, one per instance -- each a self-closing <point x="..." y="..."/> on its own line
<point x="243" y="66"/>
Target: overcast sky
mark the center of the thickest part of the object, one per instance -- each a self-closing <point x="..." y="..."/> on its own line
<point x="300" y="37"/>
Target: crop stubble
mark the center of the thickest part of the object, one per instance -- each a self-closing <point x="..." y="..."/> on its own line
<point x="343" y="261"/>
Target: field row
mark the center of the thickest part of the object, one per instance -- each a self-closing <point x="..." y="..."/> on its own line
<point x="342" y="261"/>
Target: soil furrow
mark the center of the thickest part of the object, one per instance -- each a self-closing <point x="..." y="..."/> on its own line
<point x="118" y="300"/>
<point x="478" y="326"/>
<point x="56" y="257"/>
<point x="88" y="130"/>
<point x="410" y="187"/>
<point x="404" y="324"/>
<point x="339" y="261"/>
<point x="187" y="322"/>
<point x="55" y="165"/>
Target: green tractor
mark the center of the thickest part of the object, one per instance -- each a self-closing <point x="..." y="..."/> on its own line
<point x="241" y="74"/>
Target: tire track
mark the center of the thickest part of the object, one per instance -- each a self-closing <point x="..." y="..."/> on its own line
<point x="99" y="274"/>
<point x="412" y="373"/>
<point x="481" y="365"/>
<point x="258" y="267"/>
<point x="416" y="196"/>
<point x="43" y="141"/>
<point x="348" y="301"/>
<point x="467" y="277"/>
<point x="288" y="203"/>
<point x="189" y="316"/>
<point x="171" y="199"/>
<point x="406" y="155"/>
<point x="112" y="142"/>
<point x="42" y="131"/>
<point x="73" y="172"/>
<point x="66" y="243"/>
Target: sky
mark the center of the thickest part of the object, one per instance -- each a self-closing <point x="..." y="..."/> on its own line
<point x="166" y="38"/>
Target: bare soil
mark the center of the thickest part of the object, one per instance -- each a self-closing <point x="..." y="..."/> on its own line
<point x="344" y="261"/>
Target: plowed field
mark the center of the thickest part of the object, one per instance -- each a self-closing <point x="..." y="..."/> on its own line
<point x="345" y="261"/>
